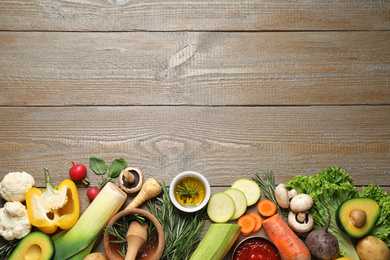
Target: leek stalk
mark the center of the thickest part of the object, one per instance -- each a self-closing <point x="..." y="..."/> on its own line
<point x="107" y="203"/>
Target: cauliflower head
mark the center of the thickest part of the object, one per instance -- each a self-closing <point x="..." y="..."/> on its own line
<point x="14" y="222"/>
<point x="15" y="185"/>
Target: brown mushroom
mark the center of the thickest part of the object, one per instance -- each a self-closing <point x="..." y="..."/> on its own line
<point x="283" y="195"/>
<point x="131" y="180"/>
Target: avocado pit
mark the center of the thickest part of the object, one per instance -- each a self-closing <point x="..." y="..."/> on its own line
<point x="358" y="217"/>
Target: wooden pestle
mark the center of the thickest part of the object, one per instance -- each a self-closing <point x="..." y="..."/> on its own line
<point x="136" y="239"/>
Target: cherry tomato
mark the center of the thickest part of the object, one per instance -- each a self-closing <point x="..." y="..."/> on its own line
<point x="77" y="172"/>
<point x="92" y="193"/>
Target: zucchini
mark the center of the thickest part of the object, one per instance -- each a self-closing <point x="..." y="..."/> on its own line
<point x="221" y="207"/>
<point x="217" y="242"/>
<point x="249" y="188"/>
<point x="239" y="202"/>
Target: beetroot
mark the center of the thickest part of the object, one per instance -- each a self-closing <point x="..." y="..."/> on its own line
<point x="322" y="244"/>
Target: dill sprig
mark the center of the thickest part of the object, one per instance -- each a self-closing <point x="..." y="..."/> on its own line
<point x="120" y="228"/>
<point x="268" y="187"/>
<point x="191" y="189"/>
<point x="7" y="249"/>
<point x="182" y="231"/>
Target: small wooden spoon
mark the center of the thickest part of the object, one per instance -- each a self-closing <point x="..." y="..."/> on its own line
<point x="136" y="239"/>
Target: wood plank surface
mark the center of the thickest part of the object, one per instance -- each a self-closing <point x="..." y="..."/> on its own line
<point x="160" y="15"/>
<point x="216" y="141"/>
<point x="225" y="88"/>
<point x="187" y="68"/>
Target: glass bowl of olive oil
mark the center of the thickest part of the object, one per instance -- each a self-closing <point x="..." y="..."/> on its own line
<point x="189" y="191"/>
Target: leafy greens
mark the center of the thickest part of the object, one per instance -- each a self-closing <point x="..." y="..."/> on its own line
<point x="335" y="185"/>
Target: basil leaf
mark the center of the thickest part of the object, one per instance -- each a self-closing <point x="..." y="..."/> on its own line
<point x="97" y="165"/>
<point x="116" y="167"/>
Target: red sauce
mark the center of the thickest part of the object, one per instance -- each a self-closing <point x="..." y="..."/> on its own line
<point x="256" y="249"/>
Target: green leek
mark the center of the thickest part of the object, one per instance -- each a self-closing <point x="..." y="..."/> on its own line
<point x="109" y="200"/>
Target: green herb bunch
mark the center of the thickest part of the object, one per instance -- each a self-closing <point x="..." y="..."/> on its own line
<point x="7" y="249"/>
<point x="182" y="231"/>
<point x="268" y="187"/>
<point x="99" y="167"/>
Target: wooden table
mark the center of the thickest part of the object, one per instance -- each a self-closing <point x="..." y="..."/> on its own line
<point x="225" y="88"/>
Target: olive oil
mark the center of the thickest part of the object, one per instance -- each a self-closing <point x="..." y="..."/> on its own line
<point x="190" y="192"/>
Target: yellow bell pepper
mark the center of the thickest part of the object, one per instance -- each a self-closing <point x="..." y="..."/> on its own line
<point x="53" y="207"/>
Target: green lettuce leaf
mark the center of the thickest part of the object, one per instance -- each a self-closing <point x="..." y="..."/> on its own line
<point x="382" y="226"/>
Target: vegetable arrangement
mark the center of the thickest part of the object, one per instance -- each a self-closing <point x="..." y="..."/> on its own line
<point x="326" y="216"/>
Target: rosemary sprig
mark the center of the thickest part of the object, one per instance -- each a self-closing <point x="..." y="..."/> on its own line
<point x="190" y="190"/>
<point x="7" y="249"/>
<point x="120" y="228"/>
<point x="268" y="187"/>
<point x="182" y="231"/>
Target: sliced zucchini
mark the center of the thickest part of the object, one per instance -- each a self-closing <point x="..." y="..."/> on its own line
<point x="249" y="188"/>
<point x="221" y="207"/>
<point x="239" y="202"/>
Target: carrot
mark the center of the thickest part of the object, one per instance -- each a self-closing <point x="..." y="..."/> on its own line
<point x="257" y="219"/>
<point x="247" y="224"/>
<point x="289" y="245"/>
<point x="266" y="208"/>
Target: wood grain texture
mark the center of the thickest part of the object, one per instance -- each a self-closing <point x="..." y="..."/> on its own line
<point x="216" y="141"/>
<point x="160" y="15"/>
<point x="138" y="68"/>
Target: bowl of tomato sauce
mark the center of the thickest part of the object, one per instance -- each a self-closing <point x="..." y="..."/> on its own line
<point x="256" y="248"/>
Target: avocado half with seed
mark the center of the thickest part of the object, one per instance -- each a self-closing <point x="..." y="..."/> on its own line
<point x="357" y="216"/>
<point x="36" y="245"/>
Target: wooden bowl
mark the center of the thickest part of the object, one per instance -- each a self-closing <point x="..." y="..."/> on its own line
<point x="152" y="253"/>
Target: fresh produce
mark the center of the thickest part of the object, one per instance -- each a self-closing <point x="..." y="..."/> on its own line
<point x="150" y="189"/>
<point x="289" y="245"/>
<point x="131" y="180"/>
<point x="53" y="207"/>
<point x="7" y="248"/>
<point x="96" y="256"/>
<point x="301" y="222"/>
<point x="14" y="223"/>
<point x="249" y="188"/>
<point x="221" y="207"/>
<point x="299" y="217"/>
<point x="92" y="193"/>
<point x="335" y="185"/>
<point x="322" y="244"/>
<point x="357" y="216"/>
<point x="91" y="222"/>
<point x="36" y="245"/>
<point x="372" y="248"/>
<point x="283" y="195"/>
<point x="78" y="172"/>
<point x="266" y="208"/>
<point x="268" y="187"/>
<point x="181" y="232"/>
<point x="217" y="242"/>
<point x="15" y="185"/>
<point x="99" y="167"/>
<point x="259" y="221"/>
<point x="247" y="223"/>
<point x="301" y="202"/>
<point x="239" y="200"/>
<point x="381" y="228"/>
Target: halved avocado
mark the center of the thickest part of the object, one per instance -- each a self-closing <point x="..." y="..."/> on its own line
<point x="366" y="211"/>
<point x="35" y="246"/>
